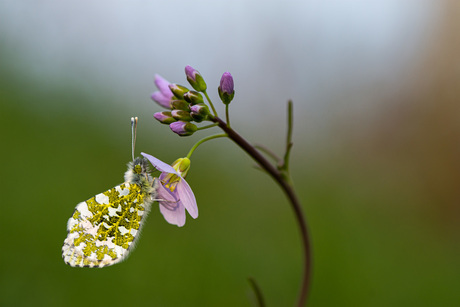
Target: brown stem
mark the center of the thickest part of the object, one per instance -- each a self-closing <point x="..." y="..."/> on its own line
<point x="289" y="191"/>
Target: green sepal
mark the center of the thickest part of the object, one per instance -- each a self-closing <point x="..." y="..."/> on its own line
<point x="190" y="128"/>
<point x="193" y="97"/>
<point x="180" y="105"/>
<point x="181" y="115"/>
<point x="200" y="112"/>
<point x="178" y="90"/>
<point x="198" y="84"/>
<point x="225" y="97"/>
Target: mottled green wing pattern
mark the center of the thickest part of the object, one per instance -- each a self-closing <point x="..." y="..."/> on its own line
<point x="103" y="229"/>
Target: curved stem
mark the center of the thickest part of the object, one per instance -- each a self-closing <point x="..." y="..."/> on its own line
<point x="291" y="195"/>
<point x="211" y="137"/>
<point x="257" y="292"/>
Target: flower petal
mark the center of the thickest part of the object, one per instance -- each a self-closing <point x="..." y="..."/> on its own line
<point x="163" y="194"/>
<point x="176" y="216"/>
<point x="161" y="99"/>
<point x="160" y="165"/>
<point x="163" y="85"/>
<point x="172" y="209"/>
<point x="187" y="198"/>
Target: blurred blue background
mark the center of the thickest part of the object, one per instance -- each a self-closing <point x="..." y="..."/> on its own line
<point x="376" y="164"/>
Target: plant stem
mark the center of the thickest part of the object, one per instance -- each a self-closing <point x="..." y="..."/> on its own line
<point x="291" y="195"/>
<point x="207" y="127"/>
<point x="288" y="138"/>
<point x="270" y="153"/>
<point x="227" y="115"/>
<point x="211" y="137"/>
<point x="257" y="292"/>
<point x="210" y="103"/>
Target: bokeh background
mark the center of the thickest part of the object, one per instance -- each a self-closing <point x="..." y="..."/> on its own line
<point x="375" y="85"/>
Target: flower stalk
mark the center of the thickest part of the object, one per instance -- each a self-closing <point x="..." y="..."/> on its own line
<point x="210" y="103"/>
<point x="211" y="137"/>
<point x="280" y="177"/>
<point x="227" y="115"/>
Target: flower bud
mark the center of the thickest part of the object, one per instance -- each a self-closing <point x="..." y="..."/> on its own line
<point x="226" y="91"/>
<point x="193" y="97"/>
<point x="164" y="117"/>
<point x="181" y="115"/>
<point x="180" y="105"/>
<point x="183" y="128"/>
<point x="178" y="90"/>
<point x="195" y="79"/>
<point x="199" y="112"/>
<point x="182" y="166"/>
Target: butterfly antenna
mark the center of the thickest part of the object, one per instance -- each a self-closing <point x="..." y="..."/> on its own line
<point x="133" y="133"/>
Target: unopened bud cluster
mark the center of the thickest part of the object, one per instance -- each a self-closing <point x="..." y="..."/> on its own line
<point x="185" y="106"/>
<point x="188" y="106"/>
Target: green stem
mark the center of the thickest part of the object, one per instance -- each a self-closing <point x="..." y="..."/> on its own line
<point x="290" y="122"/>
<point x="288" y="189"/>
<point x="210" y="103"/>
<point x="227" y="115"/>
<point x="207" y="127"/>
<point x="270" y="153"/>
<point x="211" y="137"/>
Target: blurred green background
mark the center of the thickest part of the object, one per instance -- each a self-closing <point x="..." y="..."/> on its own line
<point x="375" y="160"/>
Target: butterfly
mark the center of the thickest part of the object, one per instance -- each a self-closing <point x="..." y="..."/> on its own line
<point x="103" y="229"/>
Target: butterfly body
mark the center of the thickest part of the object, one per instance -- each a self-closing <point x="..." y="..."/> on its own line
<point x="103" y="229"/>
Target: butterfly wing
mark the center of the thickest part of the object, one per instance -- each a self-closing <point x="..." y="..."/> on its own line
<point x="102" y="231"/>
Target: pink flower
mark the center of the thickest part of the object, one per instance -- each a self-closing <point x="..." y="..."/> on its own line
<point x="173" y="191"/>
<point x="164" y="96"/>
